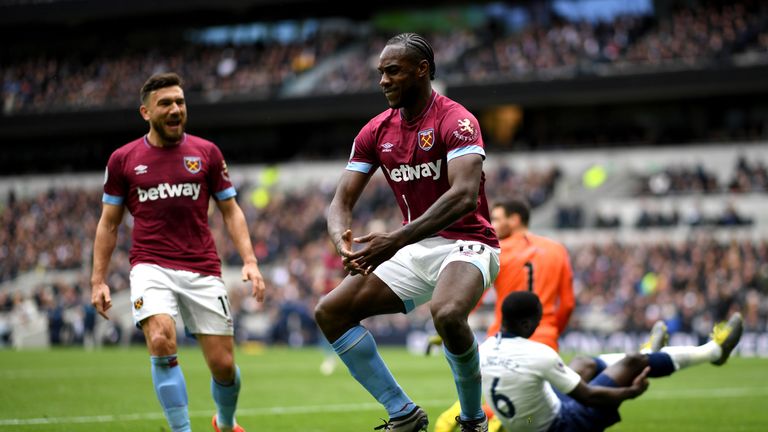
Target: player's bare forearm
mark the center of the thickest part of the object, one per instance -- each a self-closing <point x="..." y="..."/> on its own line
<point x="339" y="222"/>
<point x="104" y="244"/>
<point x="380" y="247"/>
<point x="592" y="395"/>
<point x="105" y="241"/>
<point x="237" y="227"/>
<point x="449" y="208"/>
<point x="464" y="174"/>
<point x="341" y="237"/>
<point x="348" y="191"/>
<point x="461" y="198"/>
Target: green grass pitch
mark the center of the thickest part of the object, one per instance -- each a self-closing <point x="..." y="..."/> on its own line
<point x="283" y="390"/>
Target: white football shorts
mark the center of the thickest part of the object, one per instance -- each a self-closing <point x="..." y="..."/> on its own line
<point x="413" y="271"/>
<point x="201" y="299"/>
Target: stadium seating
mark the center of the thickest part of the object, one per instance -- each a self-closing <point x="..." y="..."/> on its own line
<point x="648" y="223"/>
<point x="627" y="268"/>
<point x="339" y="55"/>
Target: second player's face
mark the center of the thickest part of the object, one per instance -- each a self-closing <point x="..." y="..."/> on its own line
<point x="500" y="222"/>
<point x="168" y="113"/>
<point x="397" y="76"/>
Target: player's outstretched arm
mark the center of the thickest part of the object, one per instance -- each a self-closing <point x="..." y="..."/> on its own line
<point x="348" y="191"/>
<point x="103" y="245"/>
<point x="234" y="219"/>
<point x="592" y="395"/>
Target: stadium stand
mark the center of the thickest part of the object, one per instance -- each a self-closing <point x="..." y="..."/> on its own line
<point x="639" y="138"/>
<point x="623" y="271"/>
<point x="262" y="61"/>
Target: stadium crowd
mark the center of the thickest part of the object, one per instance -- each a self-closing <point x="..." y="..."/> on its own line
<point x="69" y="81"/>
<point x="749" y="176"/>
<point x="721" y="33"/>
<point x="560" y="48"/>
<point x="689" y="284"/>
<point x="53" y="231"/>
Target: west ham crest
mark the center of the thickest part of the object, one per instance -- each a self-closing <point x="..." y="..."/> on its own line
<point x="193" y="164"/>
<point x="426" y="139"/>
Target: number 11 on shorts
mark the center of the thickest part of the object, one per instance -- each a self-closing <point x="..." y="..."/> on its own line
<point x="224" y="300"/>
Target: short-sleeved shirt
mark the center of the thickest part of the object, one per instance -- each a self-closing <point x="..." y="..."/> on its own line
<point x="414" y="158"/>
<point x="518" y="375"/>
<point x="167" y="190"/>
<point x="536" y="263"/>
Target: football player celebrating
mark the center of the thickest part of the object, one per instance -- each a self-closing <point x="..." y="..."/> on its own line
<point x="166" y="179"/>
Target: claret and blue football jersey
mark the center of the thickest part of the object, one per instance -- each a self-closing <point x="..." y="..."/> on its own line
<point x="167" y="190"/>
<point x="414" y="158"/>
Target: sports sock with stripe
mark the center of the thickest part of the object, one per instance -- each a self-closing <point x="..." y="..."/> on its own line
<point x="171" y="390"/>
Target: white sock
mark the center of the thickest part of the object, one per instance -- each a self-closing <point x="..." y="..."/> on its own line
<point x="684" y="356"/>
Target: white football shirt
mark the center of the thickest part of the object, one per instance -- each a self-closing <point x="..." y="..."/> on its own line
<point x="518" y="375"/>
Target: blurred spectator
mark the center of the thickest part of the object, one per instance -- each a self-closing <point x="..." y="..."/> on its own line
<point x="679" y="179"/>
<point x="607" y="220"/>
<point x="749" y="177"/>
<point x="650" y="218"/>
<point x="570" y="216"/>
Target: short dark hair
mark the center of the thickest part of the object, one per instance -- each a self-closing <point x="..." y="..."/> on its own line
<point x="520" y="306"/>
<point x="158" y="81"/>
<point x="517" y="205"/>
<point x="417" y="47"/>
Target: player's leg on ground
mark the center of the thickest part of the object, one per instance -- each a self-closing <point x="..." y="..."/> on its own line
<point x="586" y="367"/>
<point x="590" y="367"/>
<point x="458" y="290"/>
<point x="624" y="372"/>
<point x="339" y="314"/>
<point x="218" y="351"/>
<point x="170" y="387"/>
<point x="725" y="336"/>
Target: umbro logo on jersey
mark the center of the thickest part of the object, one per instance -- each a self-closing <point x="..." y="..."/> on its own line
<point x="387" y="147"/>
<point x="408" y="173"/>
<point x="165" y="191"/>
<point x="140" y="169"/>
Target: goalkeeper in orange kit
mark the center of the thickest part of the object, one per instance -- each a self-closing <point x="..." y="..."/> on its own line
<point x="528" y="262"/>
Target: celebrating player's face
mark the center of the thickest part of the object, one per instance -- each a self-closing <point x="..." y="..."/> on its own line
<point x="397" y="79"/>
<point x="167" y="113"/>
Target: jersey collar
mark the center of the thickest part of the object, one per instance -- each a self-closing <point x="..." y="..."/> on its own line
<point x="421" y="115"/>
<point x="178" y="143"/>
